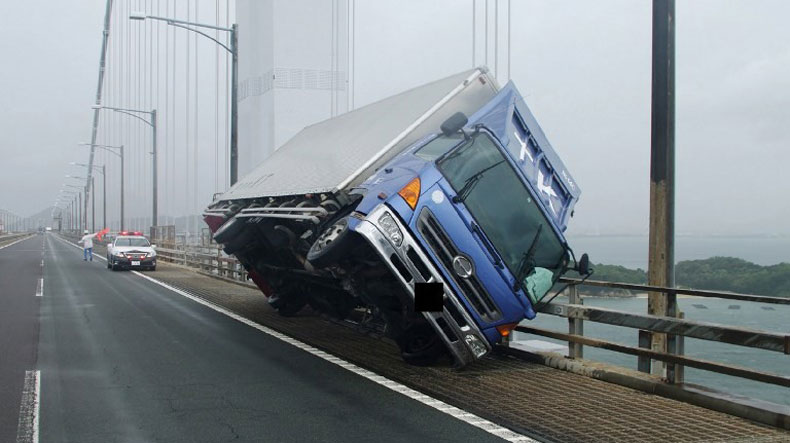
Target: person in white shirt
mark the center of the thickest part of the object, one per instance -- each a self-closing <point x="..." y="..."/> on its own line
<point x="87" y="245"/>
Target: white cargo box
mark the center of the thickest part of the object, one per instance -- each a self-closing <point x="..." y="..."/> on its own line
<point x="341" y="152"/>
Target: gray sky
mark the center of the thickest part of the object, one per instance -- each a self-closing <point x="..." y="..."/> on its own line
<point x="583" y="66"/>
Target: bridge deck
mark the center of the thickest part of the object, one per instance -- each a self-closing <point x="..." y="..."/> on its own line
<point x="530" y="398"/>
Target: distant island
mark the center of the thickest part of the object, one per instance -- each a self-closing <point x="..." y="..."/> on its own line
<point x="715" y="273"/>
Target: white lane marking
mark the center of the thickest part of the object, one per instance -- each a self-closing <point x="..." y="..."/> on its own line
<point x="42" y="262"/>
<point x="40" y="287"/>
<point x="27" y="427"/>
<point x="472" y="419"/>
<point x="14" y="242"/>
<point x="467" y="417"/>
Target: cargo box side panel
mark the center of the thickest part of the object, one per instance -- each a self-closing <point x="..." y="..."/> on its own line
<point x="335" y="152"/>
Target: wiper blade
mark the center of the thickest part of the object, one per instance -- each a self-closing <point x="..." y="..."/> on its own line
<point x="472" y="181"/>
<point x="527" y="263"/>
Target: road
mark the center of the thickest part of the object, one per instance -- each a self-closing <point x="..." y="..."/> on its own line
<point x="124" y="359"/>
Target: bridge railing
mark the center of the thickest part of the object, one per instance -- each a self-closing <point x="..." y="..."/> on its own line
<point x="675" y="327"/>
<point x="210" y="259"/>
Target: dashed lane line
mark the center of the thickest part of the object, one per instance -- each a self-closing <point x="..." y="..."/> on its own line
<point x="27" y="427"/>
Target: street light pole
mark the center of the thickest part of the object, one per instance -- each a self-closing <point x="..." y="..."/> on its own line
<point x="104" y="195"/>
<point x="155" y="212"/>
<point x="233" y="50"/>
<point x="152" y="124"/>
<point x="93" y="204"/>
<point x="234" y="105"/>
<point x="103" y="170"/>
<point x="111" y="149"/>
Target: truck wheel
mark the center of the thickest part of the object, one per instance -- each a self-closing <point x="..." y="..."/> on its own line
<point x="229" y="230"/>
<point x="330" y="245"/>
<point x="287" y="305"/>
<point x="420" y="345"/>
<point x="238" y="242"/>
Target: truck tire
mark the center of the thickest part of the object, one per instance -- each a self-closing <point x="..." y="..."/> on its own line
<point x="420" y="345"/>
<point x="287" y="304"/>
<point x="330" y="246"/>
<point x="229" y="230"/>
<point x="241" y="240"/>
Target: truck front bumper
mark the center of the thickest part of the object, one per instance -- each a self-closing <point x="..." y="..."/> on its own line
<point x="410" y="265"/>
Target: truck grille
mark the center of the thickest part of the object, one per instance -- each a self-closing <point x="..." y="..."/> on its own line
<point x="445" y="250"/>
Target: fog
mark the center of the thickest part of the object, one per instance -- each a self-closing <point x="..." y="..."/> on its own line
<point x="583" y="67"/>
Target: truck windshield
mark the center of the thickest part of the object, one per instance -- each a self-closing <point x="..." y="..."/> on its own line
<point x="502" y="205"/>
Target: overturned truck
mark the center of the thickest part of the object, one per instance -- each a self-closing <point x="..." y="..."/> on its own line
<point x="436" y="215"/>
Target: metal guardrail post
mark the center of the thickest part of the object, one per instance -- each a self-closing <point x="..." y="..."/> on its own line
<point x="575" y="325"/>
<point x="645" y="341"/>
<point x="671" y="339"/>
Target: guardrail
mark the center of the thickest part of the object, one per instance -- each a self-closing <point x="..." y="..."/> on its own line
<point x="210" y="259"/>
<point x="8" y="238"/>
<point x="675" y="327"/>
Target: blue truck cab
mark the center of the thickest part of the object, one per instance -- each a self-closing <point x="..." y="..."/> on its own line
<point x="481" y="209"/>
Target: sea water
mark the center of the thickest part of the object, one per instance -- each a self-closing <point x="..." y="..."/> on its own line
<point x="762" y="316"/>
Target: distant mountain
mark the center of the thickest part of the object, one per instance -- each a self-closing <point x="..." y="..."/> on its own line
<point x="715" y="273"/>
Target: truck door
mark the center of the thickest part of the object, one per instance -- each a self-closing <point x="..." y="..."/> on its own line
<point x="510" y="120"/>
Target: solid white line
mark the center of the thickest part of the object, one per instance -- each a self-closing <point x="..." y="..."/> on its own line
<point x="40" y="287"/>
<point x="472" y="419"/>
<point x="27" y="427"/>
<point x="467" y="417"/>
<point x="15" y="242"/>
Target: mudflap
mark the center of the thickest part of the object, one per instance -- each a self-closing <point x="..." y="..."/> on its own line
<point x="214" y="222"/>
<point x="261" y="283"/>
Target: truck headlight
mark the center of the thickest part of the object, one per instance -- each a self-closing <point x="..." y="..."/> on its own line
<point x="475" y="345"/>
<point x="391" y="228"/>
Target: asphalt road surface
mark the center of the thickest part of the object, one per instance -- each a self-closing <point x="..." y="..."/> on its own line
<point x="123" y="359"/>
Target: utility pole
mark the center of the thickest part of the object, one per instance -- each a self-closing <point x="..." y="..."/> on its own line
<point x="661" y="255"/>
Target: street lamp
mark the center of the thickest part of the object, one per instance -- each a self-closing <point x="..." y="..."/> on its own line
<point x="103" y="171"/>
<point x="152" y="124"/>
<point x="76" y="206"/>
<point x="111" y="149"/>
<point x="93" y="200"/>
<point x="234" y="52"/>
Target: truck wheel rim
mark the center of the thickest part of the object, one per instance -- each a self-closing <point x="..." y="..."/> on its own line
<point x="330" y="235"/>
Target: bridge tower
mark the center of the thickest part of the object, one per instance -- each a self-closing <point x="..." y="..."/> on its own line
<point x="293" y="70"/>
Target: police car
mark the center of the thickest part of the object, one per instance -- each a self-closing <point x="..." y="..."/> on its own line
<point x="131" y="250"/>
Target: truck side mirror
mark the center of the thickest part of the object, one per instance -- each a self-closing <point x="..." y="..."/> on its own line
<point x="454" y="123"/>
<point x="583" y="266"/>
